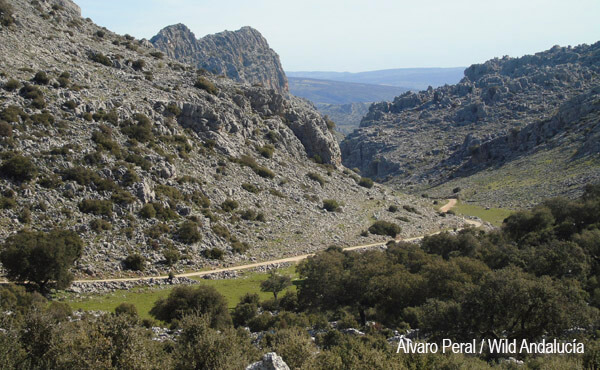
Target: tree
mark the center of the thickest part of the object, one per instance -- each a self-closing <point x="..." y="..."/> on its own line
<point x="41" y="257"/>
<point x="275" y="283"/>
<point x="185" y="300"/>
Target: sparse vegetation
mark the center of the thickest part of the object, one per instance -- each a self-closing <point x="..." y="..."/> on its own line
<point x="316" y="177"/>
<point x="98" y="57"/>
<point x="365" y="182"/>
<point x="19" y="168"/>
<point x="96" y="207"/>
<point x="331" y="205"/>
<point x="188" y="233"/>
<point x="205" y="84"/>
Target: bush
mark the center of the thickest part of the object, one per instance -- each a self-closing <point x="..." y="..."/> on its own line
<point x="273" y="136"/>
<point x="41" y="78"/>
<point x="204" y="84"/>
<point x="185" y="300"/>
<point x="229" y="205"/>
<point x="99" y="225"/>
<point x="385" y="228"/>
<point x="12" y="85"/>
<point x="331" y="205"/>
<point x="125" y="308"/>
<point x="267" y="151"/>
<point x="100" y="33"/>
<point x="141" y="131"/>
<point x="41" y="257"/>
<point x="5" y="129"/>
<point x="135" y="262"/>
<point x="96" y="207"/>
<point x="393" y="209"/>
<point x="101" y="58"/>
<point x="171" y="256"/>
<point x="86" y="177"/>
<point x="6" y="14"/>
<point x="188" y="233"/>
<point x="18" y="168"/>
<point x="251" y="188"/>
<point x="7" y="203"/>
<point x="365" y="182"/>
<point x="173" y="109"/>
<point x="214" y="253"/>
<point x="122" y="197"/>
<point x="13" y="113"/>
<point x="316" y="177"/>
<point x="411" y="209"/>
<point x="138" y="65"/>
<point x="239" y="247"/>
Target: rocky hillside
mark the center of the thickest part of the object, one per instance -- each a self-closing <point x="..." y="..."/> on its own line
<point x="142" y="155"/>
<point x="243" y="55"/>
<point x="503" y="112"/>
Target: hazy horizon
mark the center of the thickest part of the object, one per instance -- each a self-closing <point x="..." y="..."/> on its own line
<point x="349" y="36"/>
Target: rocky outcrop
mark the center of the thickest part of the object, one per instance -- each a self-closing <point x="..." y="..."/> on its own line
<point x="270" y="361"/>
<point x="425" y="139"/>
<point x="243" y="55"/>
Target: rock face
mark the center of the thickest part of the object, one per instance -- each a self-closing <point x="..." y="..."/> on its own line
<point x="243" y="55"/>
<point x="431" y="138"/>
<point x="110" y="120"/>
<point x="270" y="361"/>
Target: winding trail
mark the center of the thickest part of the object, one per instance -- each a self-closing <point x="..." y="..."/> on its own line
<point x="451" y="203"/>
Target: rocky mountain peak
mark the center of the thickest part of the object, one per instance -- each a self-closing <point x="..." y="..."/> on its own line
<point x="243" y="55"/>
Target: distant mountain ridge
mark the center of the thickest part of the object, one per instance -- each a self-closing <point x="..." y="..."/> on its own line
<point x="243" y="55"/>
<point x="409" y="78"/>
<point x="336" y="92"/>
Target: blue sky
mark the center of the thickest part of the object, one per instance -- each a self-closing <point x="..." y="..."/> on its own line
<point x="351" y="35"/>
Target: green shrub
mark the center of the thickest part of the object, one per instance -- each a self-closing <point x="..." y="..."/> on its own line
<point x="148" y="211"/>
<point x="99" y="225"/>
<point x="86" y="177"/>
<point x="365" y="182"/>
<point x="18" y="168"/>
<point x="70" y="104"/>
<point x="316" y="177"/>
<point x="331" y="205"/>
<point x="100" y="33"/>
<point x="267" y="151"/>
<point x="138" y="65"/>
<point x="411" y="209"/>
<point x="385" y="228"/>
<point x="5" y="129"/>
<point x="135" y="262"/>
<point x="221" y="231"/>
<point x="251" y="188"/>
<point x="101" y="58"/>
<point x="7" y="203"/>
<point x="157" y="54"/>
<point x="273" y="136"/>
<point x="96" y="207"/>
<point x="13" y="113"/>
<point x="229" y="205"/>
<point x="12" y="85"/>
<point x="239" y="247"/>
<point x="205" y="84"/>
<point x="171" y="256"/>
<point x="173" y="109"/>
<point x="41" y="78"/>
<point x="141" y="130"/>
<point x="201" y="300"/>
<point x="44" y="118"/>
<point x="214" y="253"/>
<point x="188" y="233"/>
<point x="393" y="208"/>
<point x="125" y="308"/>
<point x="6" y="14"/>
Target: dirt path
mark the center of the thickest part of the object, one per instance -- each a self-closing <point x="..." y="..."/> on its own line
<point x="451" y="203"/>
<point x="448" y="206"/>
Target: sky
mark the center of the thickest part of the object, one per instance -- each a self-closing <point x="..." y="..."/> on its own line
<point x="356" y="36"/>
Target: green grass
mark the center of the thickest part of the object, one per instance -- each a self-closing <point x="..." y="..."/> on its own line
<point x="495" y="216"/>
<point x="144" y="298"/>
